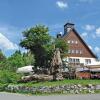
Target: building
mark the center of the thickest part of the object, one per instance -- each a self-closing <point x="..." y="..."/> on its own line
<point x="79" y="55"/>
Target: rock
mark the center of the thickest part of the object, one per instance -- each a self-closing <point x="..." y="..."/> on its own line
<point x="79" y="85"/>
<point x="90" y="85"/>
<point x="91" y="91"/>
<point x="97" y="87"/>
<point x="73" y="89"/>
<point x="76" y="92"/>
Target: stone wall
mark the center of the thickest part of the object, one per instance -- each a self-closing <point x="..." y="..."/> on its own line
<point x="63" y="89"/>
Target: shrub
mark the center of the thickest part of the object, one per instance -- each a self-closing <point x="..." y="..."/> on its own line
<point x="3" y="86"/>
<point x="8" y="77"/>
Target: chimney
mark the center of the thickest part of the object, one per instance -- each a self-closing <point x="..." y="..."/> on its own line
<point x="59" y="35"/>
<point x="68" y="27"/>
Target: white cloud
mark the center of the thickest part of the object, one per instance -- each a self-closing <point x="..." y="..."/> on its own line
<point x="6" y="43"/>
<point x="84" y="34"/>
<point x="89" y="27"/>
<point x="62" y="4"/>
<point x="97" y="49"/>
<point x="98" y="32"/>
<point x="13" y="33"/>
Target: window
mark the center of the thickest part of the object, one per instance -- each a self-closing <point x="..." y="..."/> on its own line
<point x="68" y="41"/>
<point x="88" y="61"/>
<point x="76" y="42"/>
<point x="70" y="60"/>
<point x="68" y="29"/>
<point x="69" y="51"/>
<point x="77" y="61"/>
<point x="73" y="60"/>
<point x="72" y="41"/>
<point x="73" y="51"/>
<point x="77" y="51"/>
<point x="80" y="51"/>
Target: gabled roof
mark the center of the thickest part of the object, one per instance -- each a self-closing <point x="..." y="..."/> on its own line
<point x="81" y="41"/>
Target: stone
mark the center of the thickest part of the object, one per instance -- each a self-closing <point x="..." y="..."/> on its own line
<point x="90" y="85"/>
<point x="79" y="85"/>
<point x="91" y="91"/>
<point x="97" y="87"/>
<point x="76" y="92"/>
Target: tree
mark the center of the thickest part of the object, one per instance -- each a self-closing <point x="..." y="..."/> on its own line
<point x="2" y="59"/>
<point x="28" y="58"/>
<point x="62" y="45"/>
<point x="41" y="44"/>
<point x="14" y="61"/>
<point x="37" y="39"/>
<point x="17" y="60"/>
<point x="2" y="56"/>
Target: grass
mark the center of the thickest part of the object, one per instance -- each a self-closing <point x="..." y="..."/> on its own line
<point x="63" y="82"/>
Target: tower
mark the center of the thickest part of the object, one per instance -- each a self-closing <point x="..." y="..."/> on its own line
<point x="68" y="27"/>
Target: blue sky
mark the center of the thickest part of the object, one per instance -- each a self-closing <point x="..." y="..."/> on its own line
<point x="18" y="15"/>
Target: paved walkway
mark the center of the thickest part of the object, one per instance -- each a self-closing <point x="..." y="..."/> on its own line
<point x="9" y="96"/>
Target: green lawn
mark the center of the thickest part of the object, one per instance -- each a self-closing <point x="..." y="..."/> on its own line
<point x="55" y="83"/>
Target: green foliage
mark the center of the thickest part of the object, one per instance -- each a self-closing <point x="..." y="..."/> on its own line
<point x="36" y="39"/>
<point x="40" y="43"/>
<point x="8" y="77"/>
<point x="17" y="60"/>
<point x="2" y="56"/>
<point x="63" y="82"/>
<point x="62" y="45"/>
<point x="28" y="59"/>
<point x="37" y="35"/>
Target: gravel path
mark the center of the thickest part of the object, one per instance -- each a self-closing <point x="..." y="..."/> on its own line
<point x="9" y="96"/>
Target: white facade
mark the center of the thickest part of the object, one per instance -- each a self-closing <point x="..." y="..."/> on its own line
<point x="82" y="60"/>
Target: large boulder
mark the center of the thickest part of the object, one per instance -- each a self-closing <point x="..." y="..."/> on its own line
<point x="36" y="77"/>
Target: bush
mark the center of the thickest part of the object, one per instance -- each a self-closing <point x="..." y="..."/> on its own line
<point x="8" y="77"/>
<point x="2" y="87"/>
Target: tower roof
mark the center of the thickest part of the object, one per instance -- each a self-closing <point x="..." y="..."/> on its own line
<point x="69" y="24"/>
